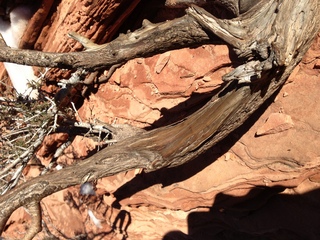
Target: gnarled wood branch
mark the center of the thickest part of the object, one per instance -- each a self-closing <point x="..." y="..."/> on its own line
<point x="178" y="33"/>
<point x="272" y="37"/>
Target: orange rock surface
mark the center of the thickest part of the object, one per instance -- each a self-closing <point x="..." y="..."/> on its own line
<point x="239" y="189"/>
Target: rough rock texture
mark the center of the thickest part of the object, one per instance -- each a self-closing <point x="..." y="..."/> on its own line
<point x="276" y="122"/>
<point x="47" y="30"/>
<point x="143" y="90"/>
<point x="239" y="189"/>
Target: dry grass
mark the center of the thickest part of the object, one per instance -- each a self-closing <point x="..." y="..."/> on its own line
<point x="23" y="125"/>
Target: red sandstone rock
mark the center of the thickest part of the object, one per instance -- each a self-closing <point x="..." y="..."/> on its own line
<point x="242" y="188"/>
<point x="275" y="123"/>
<point x="137" y="94"/>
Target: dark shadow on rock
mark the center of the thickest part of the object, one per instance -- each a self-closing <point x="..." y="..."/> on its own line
<point x="122" y="222"/>
<point x="196" y="100"/>
<point x="183" y="109"/>
<point x="119" y="226"/>
<point x="168" y="176"/>
<point x="165" y="176"/>
<point x="263" y="214"/>
<point x="156" y="12"/>
<point x="176" y="235"/>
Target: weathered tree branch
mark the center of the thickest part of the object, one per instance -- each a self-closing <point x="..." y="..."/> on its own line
<point x="178" y="33"/>
<point x="272" y="36"/>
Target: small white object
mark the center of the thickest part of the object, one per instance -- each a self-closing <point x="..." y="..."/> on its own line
<point x="59" y="167"/>
<point x="95" y="220"/>
<point x="87" y="189"/>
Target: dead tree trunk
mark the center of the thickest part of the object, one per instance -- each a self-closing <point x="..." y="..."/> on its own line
<point x="271" y="37"/>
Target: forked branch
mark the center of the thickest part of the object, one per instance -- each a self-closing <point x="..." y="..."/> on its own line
<point x="272" y="37"/>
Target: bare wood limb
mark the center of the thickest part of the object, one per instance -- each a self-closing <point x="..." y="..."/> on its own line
<point x="179" y="33"/>
<point x="34" y="210"/>
<point x="277" y="41"/>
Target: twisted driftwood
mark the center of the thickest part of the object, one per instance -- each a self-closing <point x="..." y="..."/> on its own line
<point x="271" y="37"/>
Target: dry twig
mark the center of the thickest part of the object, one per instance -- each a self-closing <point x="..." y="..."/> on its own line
<point x="266" y="37"/>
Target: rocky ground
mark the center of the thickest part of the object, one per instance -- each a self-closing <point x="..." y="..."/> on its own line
<point x="262" y="182"/>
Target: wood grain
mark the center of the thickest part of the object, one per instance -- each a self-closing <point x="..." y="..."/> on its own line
<point x="271" y="37"/>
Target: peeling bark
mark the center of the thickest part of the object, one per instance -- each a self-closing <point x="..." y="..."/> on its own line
<point x="271" y="37"/>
